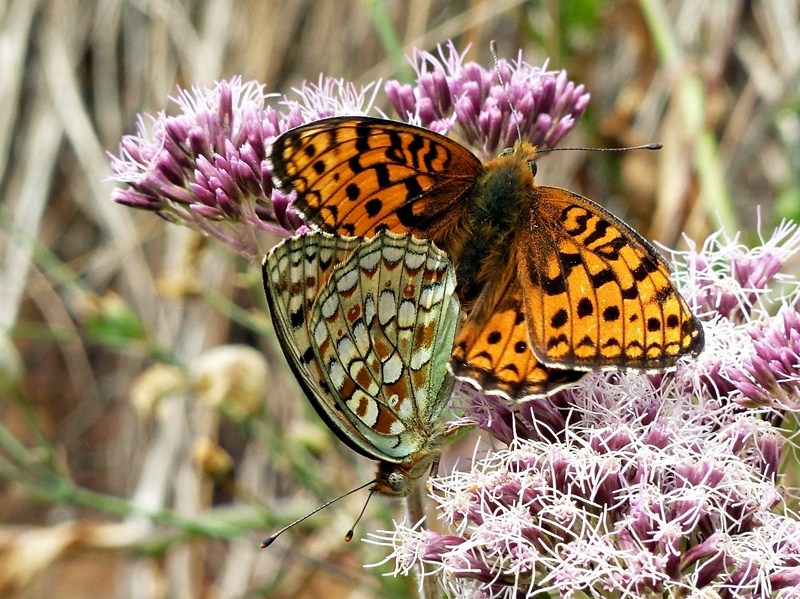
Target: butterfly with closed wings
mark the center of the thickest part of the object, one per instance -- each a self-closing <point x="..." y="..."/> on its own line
<point x="368" y="328"/>
<point x="553" y="284"/>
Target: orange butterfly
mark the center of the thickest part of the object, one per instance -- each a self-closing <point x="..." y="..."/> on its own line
<point x="553" y="284"/>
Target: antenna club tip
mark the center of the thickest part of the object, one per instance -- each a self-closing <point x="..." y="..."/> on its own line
<point x="268" y="541"/>
<point x="349" y="536"/>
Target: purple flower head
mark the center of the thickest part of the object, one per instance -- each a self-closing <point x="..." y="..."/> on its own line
<point x="732" y="280"/>
<point x="750" y="355"/>
<point x="622" y="505"/>
<point x="450" y="93"/>
<point x="207" y="167"/>
<point x="330" y="97"/>
<point x="770" y="374"/>
<point x="507" y="420"/>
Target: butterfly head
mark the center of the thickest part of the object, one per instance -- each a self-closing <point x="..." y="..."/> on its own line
<point x="511" y="173"/>
<point x="522" y="152"/>
<point x="394" y="480"/>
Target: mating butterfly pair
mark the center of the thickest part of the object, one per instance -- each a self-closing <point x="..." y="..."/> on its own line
<point x="553" y="285"/>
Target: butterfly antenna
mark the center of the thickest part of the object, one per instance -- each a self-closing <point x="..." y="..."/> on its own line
<point x="504" y="85"/>
<point x="642" y="147"/>
<point x="271" y="539"/>
<point x="349" y="536"/>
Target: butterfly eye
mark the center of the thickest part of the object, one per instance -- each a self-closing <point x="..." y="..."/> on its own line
<point x="532" y="166"/>
<point x="397" y="481"/>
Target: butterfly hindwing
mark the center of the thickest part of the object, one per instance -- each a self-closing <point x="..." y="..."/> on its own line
<point x="599" y="295"/>
<point x="492" y="350"/>
<point x="368" y="327"/>
<point x="294" y="272"/>
<point x="383" y="328"/>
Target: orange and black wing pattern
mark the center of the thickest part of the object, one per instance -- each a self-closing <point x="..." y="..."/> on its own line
<point x="492" y="350"/>
<point x="598" y="295"/>
<point x="359" y="175"/>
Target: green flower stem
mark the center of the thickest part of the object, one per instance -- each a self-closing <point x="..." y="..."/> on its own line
<point x="415" y="511"/>
<point x="389" y="39"/>
<point x="21" y="465"/>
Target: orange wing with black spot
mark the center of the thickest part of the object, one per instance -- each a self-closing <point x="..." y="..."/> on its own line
<point x="597" y="294"/>
<point x="591" y="293"/>
<point x="492" y="350"/>
<point x="360" y="175"/>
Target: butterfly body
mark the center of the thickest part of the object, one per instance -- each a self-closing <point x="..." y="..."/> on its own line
<point x="367" y="327"/>
<point x="497" y="206"/>
<point x="553" y="284"/>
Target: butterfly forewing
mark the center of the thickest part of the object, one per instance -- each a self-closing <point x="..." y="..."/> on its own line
<point x="359" y="175"/>
<point x="601" y="295"/>
<point x="383" y="328"/>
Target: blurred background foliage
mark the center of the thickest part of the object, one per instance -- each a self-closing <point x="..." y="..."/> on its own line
<point x="150" y="432"/>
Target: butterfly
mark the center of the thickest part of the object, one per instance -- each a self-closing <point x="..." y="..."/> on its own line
<point x="554" y="285"/>
<point x="368" y="329"/>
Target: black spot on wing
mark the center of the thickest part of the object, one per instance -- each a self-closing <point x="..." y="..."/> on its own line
<point x="308" y="355"/>
<point x="554" y="286"/>
<point x="414" y="148"/>
<point x="297" y="318"/>
<point x="363" y="133"/>
<point x="585" y="307"/>
<point x="602" y="277"/>
<point x="599" y="232"/>
<point x="663" y="294"/>
<point x="413" y="188"/>
<point x="559" y="319"/>
<point x="568" y="261"/>
<point x="556" y="341"/>
<point x="408" y="218"/>
<point x="354" y="164"/>
<point x="382" y="175"/>
<point x="353" y="192"/>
